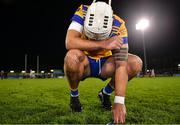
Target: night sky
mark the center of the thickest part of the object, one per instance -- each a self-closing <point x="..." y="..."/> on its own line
<point x="38" y="27"/>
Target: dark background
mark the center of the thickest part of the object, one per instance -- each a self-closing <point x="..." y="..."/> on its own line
<point x="36" y="27"/>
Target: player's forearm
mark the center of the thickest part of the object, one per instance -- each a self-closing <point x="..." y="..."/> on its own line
<point x="121" y="79"/>
<point x="74" y="41"/>
<point x="79" y="43"/>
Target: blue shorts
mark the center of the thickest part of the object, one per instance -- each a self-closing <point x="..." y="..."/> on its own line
<point x="96" y="66"/>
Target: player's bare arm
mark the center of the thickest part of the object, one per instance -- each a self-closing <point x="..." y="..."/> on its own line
<point x="121" y="79"/>
<point x="74" y="41"/>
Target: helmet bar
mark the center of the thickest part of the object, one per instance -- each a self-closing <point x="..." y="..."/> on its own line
<point x="109" y="2"/>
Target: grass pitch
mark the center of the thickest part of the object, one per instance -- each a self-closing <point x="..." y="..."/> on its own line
<point x="148" y="100"/>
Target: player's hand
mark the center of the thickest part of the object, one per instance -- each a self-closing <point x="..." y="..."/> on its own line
<point x="113" y="43"/>
<point x="119" y="113"/>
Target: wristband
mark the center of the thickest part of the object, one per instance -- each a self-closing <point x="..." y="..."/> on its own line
<point x="119" y="99"/>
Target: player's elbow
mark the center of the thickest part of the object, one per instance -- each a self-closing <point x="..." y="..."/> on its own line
<point x="71" y="37"/>
<point x="68" y="44"/>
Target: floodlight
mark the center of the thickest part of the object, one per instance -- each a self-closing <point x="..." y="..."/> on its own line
<point x="142" y="24"/>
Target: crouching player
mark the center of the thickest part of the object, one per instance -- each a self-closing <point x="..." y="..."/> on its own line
<point x="97" y="44"/>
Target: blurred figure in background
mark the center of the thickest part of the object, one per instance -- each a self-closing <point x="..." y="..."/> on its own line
<point x="2" y="74"/>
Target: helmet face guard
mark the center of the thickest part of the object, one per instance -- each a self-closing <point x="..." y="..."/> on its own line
<point x="98" y="20"/>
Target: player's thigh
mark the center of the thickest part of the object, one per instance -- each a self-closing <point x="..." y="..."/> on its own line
<point x="134" y="66"/>
<point x="108" y="68"/>
<point x="87" y="69"/>
<point x="77" y="60"/>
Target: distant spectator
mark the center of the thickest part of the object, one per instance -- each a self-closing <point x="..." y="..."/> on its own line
<point x="32" y="74"/>
<point x="2" y="74"/>
<point x="152" y="73"/>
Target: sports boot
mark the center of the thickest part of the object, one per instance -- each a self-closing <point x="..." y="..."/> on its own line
<point x="75" y="104"/>
<point x="105" y="100"/>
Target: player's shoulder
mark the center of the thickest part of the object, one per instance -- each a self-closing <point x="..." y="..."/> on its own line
<point x="82" y="10"/>
<point x="83" y="7"/>
<point x="79" y="15"/>
<point x="118" y="19"/>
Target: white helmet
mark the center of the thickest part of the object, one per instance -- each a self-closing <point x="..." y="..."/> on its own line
<point x="98" y="20"/>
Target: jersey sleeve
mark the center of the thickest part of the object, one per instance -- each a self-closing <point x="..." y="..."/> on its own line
<point x="76" y="26"/>
<point x="119" y="28"/>
<point x="79" y="15"/>
<point x="123" y="33"/>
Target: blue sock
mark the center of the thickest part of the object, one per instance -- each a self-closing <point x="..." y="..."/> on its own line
<point x="108" y="90"/>
<point x="74" y="93"/>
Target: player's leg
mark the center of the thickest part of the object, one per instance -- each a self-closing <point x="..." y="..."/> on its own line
<point x="134" y="66"/>
<point x="76" y="67"/>
<point x="108" y="69"/>
<point x="107" y="72"/>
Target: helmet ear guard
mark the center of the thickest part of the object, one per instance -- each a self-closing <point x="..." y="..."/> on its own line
<point x="98" y="20"/>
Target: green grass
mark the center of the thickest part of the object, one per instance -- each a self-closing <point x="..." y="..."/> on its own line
<point x="148" y="100"/>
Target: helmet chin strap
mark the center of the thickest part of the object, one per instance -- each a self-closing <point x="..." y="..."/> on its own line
<point x="109" y="2"/>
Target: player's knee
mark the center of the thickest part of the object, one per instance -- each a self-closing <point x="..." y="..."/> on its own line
<point x="137" y="64"/>
<point x="73" y="59"/>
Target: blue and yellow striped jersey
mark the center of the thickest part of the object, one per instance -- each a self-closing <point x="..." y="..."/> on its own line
<point x="118" y="28"/>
